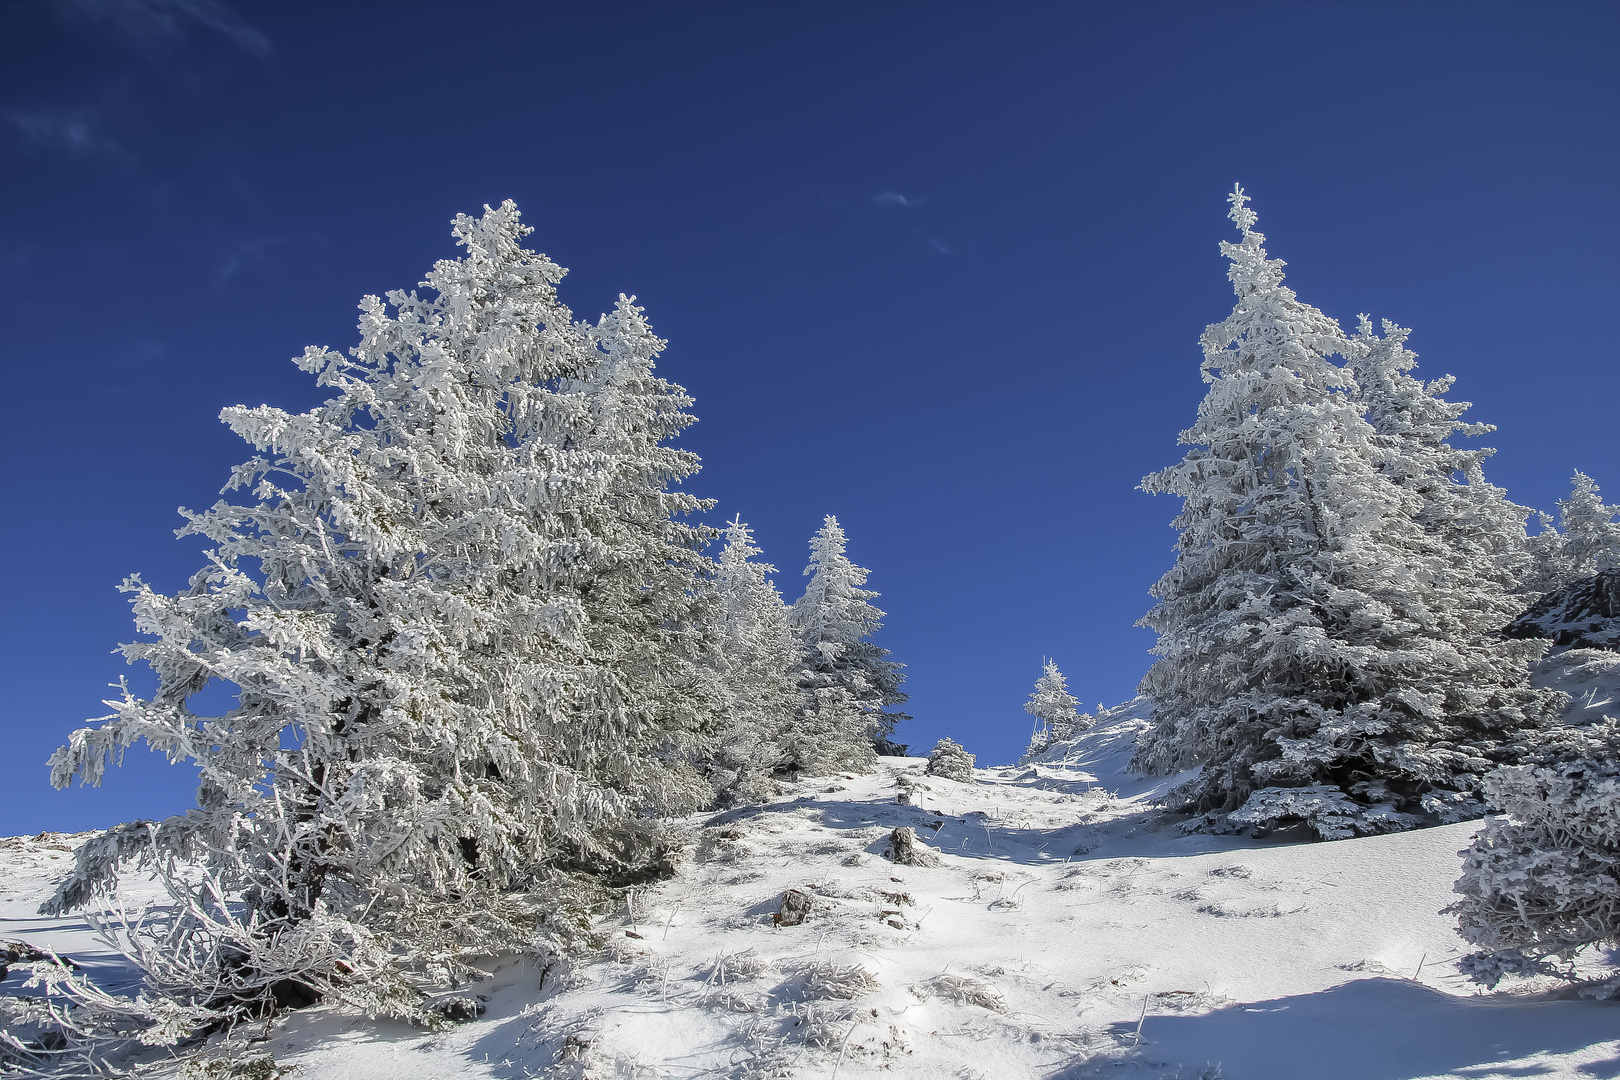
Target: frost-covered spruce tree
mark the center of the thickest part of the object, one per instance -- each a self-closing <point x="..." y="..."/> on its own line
<point x="1543" y="881"/>
<point x="644" y="605"/>
<point x="457" y="614"/>
<point x="755" y="661"/>
<point x="1476" y="585"/>
<point x="1589" y="540"/>
<point x="846" y="683"/>
<point x="1056" y="711"/>
<point x="1299" y="659"/>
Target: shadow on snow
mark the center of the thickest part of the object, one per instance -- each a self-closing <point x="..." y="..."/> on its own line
<point x="1381" y="1029"/>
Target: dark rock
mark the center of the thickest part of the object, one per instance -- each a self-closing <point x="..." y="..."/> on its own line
<point x="904" y="848"/>
<point x="459" y="1010"/>
<point x="292" y="994"/>
<point x="795" y="908"/>
<point x="1581" y="615"/>
<point x="670" y="862"/>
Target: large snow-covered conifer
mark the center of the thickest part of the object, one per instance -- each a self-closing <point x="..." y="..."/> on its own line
<point x="1471" y="575"/>
<point x="1300" y="661"/>
<point x="847" y="684"/>
<point x="457" y="613"/>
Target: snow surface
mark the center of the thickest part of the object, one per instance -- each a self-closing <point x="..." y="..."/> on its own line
<point x="1591" y="677"/>
<point x="1071" y="931"/>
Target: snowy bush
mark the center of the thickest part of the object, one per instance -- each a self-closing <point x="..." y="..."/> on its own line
<point x="951" y="761"/>
<point x="966" y="990"/>
<point x="461" y="618"/>
<point x="1543" y="881"/>
<point x="824" y="979"/>
<point x="1331" y="616"/>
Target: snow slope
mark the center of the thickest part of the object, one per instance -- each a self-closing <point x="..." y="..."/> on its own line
<point x="1591" y="677"/>
<point x="1069" y="932"/>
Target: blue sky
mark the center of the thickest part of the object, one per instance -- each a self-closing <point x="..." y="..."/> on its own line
<point x="939" y="269"/>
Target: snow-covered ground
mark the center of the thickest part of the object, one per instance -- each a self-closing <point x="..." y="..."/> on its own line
<point x="1068" y="932"/>
<point x="1591" y="677"/>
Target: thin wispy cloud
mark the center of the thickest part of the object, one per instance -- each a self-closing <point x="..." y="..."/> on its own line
<point x="894" y="198"/>
<point x="74" y="132"/>
<point x="152" y="27"/>
<point x="937" y="244"/>
<point x="244" y="255"/>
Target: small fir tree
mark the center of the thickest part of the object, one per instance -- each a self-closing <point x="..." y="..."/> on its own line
<point x="1056" y="711"/>
<point x="1590" y="536"/>
<point x="951" y="761"/>
<point x="847" y="684"/>
<point x="459" y="617"/>
<point x="754" y="661"/>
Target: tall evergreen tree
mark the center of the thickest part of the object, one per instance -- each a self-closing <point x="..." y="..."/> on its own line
<point x="645" y="618"/>
<point x="457" y="613"/>
<point x="1414" y="425"/>
<point x="847" y="684"/>
<point x="1298" y="650"/>
<point x="1478" y="559"/>
<point x="755" y="660"/>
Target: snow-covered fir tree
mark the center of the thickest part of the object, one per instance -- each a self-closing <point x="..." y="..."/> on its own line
<point x="1472" y="574"/>
<point x="755" y="662"/>
<point x="1588" y="539"/>
<point x="645" y="613"/>
<point x="1056" y="711"/>
<point x="458" y="615"/>
<point x="847" y="684"/>
<point x="1300" y="660"/>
